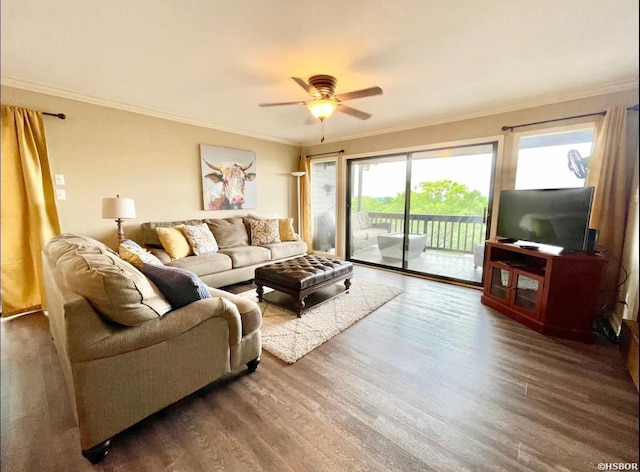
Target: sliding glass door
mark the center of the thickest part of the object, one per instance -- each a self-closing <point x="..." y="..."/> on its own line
<point x="423" y="212"/>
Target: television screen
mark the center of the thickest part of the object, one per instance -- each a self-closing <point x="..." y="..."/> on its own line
<point x="557" y="217"/>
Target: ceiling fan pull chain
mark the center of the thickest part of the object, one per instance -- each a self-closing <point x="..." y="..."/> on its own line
<point x="321" y="131"/>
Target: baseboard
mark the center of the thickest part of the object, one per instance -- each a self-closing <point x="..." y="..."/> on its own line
<point x="629" y="347"/>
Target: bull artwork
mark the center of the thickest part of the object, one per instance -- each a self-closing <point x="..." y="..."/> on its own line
<point x="233" y="178"/>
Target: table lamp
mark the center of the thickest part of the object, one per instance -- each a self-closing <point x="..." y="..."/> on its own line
<point x="118" y="209"/>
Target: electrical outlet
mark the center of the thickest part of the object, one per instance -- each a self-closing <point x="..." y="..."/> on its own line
<point x="59" y="179"/>
<point x="61" y="194"/>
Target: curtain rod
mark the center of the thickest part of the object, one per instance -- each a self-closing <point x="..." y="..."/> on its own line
<point x="601" y="113"/>
<point x="325" y="153"/>
<point x="62" y="116"/>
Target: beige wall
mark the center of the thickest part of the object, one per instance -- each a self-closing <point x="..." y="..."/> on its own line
<point x="102" y="152"/>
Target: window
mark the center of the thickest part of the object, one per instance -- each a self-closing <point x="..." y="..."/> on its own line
<point x="554" y="159"/>
<point x="323" y="206"/>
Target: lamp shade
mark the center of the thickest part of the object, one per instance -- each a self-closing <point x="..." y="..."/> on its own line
<point x="322" y="108"/>
<point x="118" y="208"/>
<point x="298" y="174"/>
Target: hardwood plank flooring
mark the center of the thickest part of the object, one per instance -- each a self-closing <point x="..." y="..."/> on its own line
<point x="431" y="381"/>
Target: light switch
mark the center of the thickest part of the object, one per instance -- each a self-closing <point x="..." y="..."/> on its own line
<point x="59" y="178"/>
<point x="61" y="194"/>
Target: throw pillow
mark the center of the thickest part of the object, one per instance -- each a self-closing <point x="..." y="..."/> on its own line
<point x="285" y="226"/>
<point x="179" y="286"/>
<point x="131" y="243"/>
<point x="174" y="242"/>
<point x="264" y="232"/>
<point x="228" y="232"/>
<point x="115" y="288"/>
<point x="136" y="256"/>
<point x="200" y="239"/>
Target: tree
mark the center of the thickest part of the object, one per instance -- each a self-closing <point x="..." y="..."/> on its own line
<point x="442" y="197"/>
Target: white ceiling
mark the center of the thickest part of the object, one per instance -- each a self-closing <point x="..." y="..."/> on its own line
<point x="210" y="62"/>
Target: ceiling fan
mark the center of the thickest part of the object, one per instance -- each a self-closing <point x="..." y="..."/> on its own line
<point x="325" y="101"/>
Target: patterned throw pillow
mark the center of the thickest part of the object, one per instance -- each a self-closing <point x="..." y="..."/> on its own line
<point x="174" y="242"/>
<point x="264" y="232"/>
<point x="287" y="233"/>
<point x="200" y="239"/>
<point x="179" y="286"/>
<point x="136" y="256"/>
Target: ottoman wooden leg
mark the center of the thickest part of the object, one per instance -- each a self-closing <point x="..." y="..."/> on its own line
<point x="347" y="284"/>
<point x="298" y="305"/>
<point x="259" y="291"/>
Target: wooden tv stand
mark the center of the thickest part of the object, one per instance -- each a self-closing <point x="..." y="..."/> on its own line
<point x="553" y="294"/>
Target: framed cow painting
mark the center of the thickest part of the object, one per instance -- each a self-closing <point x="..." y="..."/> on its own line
<point x="228" y="178"/>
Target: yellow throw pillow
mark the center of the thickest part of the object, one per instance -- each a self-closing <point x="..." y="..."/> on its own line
<point x="174" y="242"/>
<point x="287" y="233"/>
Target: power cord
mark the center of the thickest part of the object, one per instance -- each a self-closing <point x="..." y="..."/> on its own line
<point x="601" y="324"/>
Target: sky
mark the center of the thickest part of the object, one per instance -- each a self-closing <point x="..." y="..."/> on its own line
<point x="543" y="167"/>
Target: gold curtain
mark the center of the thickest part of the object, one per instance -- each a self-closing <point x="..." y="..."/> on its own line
<point x="610" y="172"/>
<point x="29" y="217"/>
<point x="305" y="199"/>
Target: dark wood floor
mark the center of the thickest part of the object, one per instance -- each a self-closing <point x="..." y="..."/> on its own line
<point x="432" y="380"/>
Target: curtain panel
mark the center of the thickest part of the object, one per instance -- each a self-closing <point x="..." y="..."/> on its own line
<point x="305" y="200"/>
<point x="29" y="217"/>
<point x="611" y="169"/>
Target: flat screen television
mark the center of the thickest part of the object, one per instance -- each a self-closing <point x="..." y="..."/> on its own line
<point x="556" y="217"/>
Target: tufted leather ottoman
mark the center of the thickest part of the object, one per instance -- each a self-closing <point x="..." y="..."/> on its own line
<point x="302" y="276"/>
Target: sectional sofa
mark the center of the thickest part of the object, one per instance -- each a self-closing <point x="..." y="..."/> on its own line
<point x="237" y="256"/>
<point x="129" y="349"/>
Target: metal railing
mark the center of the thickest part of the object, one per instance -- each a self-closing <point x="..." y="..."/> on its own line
<point x="449" y="233"/>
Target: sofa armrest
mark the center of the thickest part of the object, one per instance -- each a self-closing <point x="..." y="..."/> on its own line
<point x="86" y="343"/>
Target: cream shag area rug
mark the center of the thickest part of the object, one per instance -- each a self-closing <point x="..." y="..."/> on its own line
<point x="289" y="338"/>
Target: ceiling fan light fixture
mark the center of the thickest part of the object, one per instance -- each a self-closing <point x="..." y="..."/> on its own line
<point x="322" y="108"/>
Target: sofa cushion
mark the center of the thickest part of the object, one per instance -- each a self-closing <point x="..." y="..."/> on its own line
<point x="287" y="249"/>
<point x="363" y="219"/>
<point x="174" y="242"/>
<point x="149" y="235"/>
<point x="206" y="264"/>
<point x="136" y="256"/>
<point x="115" y="288"/>
<point x="247" y="255"/>
<point x="229" y="232"/>
<point x="264" y="232"/>
<point x="61" y="244"/>
<point x="285" y="226"/>
<point x="200" y="239"/>
<point x="179" y="286"/>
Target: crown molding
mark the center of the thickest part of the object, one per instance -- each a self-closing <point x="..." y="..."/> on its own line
<point x="63" y="93"/>
<point x="533" y="103"/>
<point x="536" y="102"/>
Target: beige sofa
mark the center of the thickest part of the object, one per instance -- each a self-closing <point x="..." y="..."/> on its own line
<point x="125" y="352"/>
<point x="236" y="259"/>
<point x="364" y="233"/>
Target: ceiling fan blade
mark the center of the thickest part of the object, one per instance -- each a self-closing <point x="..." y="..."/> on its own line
<point x="368" y="92"/>
<point x="277" y="104"/>
<point x="307" y="88"/>
<point x="353" y="112"/>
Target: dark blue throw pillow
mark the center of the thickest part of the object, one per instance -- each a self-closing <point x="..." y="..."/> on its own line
<point x="179" y="286"/>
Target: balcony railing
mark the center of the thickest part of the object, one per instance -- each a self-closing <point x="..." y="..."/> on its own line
<point x="449" y="233"/>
